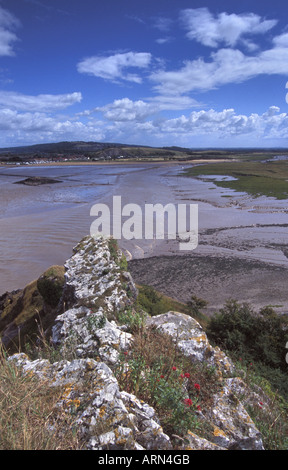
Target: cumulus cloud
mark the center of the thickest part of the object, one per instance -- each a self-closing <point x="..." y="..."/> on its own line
<point x="125" y="120"/>
<point x="228" y="29"/>
<point x="228" y="124"/>
<point x="35" y="127"/>
<point x="43" y="102"/>
<point x="127" y="110"/>
<point x="228" y="63"/>
<point x="8" y="24"/>
<point x="114" y="66"/>
<point x="225" y="66"/>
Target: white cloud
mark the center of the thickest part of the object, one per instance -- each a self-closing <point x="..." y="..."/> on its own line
<point x="8" y="23"/>
<point x="36" y="127"/>
<point x="162" y="23"/>
<point x="125" y="121"/>
<point x="164" y="40"/>
<point x="174" y="102"/>
<point x="113" y="67"/>
<point x="227" y="124"/>
<point x="127" y="110"/>
<point x="44" y="102"/>
<point x="225" y="66"/>
<point x="214" y="30"/>
<point x="281" y="41"/>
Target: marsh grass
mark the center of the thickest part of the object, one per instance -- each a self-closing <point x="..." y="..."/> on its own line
<point x="254" y="177"/>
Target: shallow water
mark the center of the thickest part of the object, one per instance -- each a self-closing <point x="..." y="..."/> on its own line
<point x="39" y="225"/>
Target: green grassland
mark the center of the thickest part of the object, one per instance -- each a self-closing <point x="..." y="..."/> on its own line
<point x="257" y="178"/>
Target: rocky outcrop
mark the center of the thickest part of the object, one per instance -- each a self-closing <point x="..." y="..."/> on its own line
<point x="90" y="340"/>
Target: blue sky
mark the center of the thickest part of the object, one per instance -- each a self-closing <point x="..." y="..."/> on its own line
<point x="162" y="72"/>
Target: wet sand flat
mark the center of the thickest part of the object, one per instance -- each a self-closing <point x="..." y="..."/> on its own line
<point x="242" y="244"/>
<point x="215" y="279"/>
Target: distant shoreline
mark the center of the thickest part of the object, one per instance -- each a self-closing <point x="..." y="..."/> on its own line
<point x="126" y="162"/>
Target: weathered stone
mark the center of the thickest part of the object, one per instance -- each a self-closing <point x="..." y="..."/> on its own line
<point x="90" y="334"/>
<point x="191" y="339"/>
<point x="199" y="443"/>
<point x="230" y="416"/>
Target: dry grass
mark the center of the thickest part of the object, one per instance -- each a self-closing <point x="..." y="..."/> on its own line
<point x="29" y="419"/>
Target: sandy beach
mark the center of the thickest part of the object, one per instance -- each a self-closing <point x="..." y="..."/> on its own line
<point x="242" y="244"/>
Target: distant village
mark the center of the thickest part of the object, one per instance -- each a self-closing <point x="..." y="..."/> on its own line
<point x="19" y="160"/>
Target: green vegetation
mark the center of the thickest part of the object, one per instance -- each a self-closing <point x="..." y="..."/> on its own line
<point x="257" y="339"/>
<point x="270" y="416"/>
<point x="50" y="285"/>
<point x="156" y="372"/>
<point x="151" y="301"/>
<point x="254" y="177"/>
<point x="155" y="303"/>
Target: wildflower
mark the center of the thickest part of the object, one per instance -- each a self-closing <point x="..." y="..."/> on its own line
<point x="197" y="387"/>
<point x="125" y="353"/>
<point x="161" y="376"/>
<point x="174" y="368"/>
<point x="182" y="376"/>
<point x="187" y="375"/>
<point x="198" y="407"/>
<point x="188" y="402"/>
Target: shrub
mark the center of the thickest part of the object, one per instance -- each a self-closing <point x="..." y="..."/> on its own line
<point x="151" y="301"/>
<point x="50" y="285"/>
<point x="258" y="338"/>
<point x="195" y="305"/>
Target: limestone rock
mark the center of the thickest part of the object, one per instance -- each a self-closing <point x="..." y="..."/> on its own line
<point x="93" y="278"/>
<point x="108" y="419"/>
<point x="90" y="334"/>
<point x="191" y="339"/>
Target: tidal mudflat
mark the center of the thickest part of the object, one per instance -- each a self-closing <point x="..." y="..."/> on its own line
<point x="242" y="246"/>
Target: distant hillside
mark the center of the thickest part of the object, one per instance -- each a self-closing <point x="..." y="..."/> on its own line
<point x="80" y="150"/>
<point x="60" y="147"/>
<point x="91" y="150"/>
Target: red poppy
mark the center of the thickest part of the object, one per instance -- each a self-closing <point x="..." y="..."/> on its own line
<point x="188" y="402"/>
